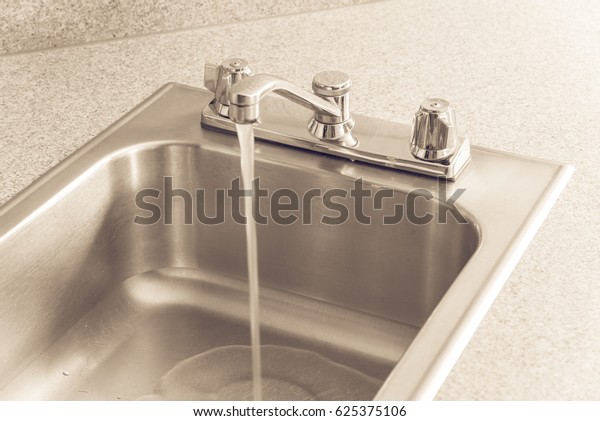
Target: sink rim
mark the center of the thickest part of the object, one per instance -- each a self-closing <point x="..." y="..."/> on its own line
<point x="437" y="346"/>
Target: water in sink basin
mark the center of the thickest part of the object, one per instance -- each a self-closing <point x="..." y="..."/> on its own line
<point x="226" y="373"/>
<point x="156" y="320"/>
<point x="120" y="304"/>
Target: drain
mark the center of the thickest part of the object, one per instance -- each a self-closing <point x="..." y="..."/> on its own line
<point x="288" y="374"/>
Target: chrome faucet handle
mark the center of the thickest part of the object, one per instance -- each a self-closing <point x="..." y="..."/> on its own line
<point x="219" y="79"/>
<point x="333" y="86"/>
<point x="433" y="136"/>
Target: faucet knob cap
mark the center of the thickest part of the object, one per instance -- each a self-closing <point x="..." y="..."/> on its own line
<point x="434" y="136"/>
<point x="236" y="65"/>
<point x="331" y="83"/>
<point x="333" y="86"/>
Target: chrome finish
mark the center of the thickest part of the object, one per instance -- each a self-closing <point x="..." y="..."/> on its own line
<point x="94" y="306"/>
<point x="221" y="78"/>
<point x="245" y="97"/>
<point x="433" y="136"/>
<point x="331" y="128"/>
<point x="334" y="86"/>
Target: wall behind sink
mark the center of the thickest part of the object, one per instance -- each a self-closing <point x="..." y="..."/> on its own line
<point x="32" y="25"/>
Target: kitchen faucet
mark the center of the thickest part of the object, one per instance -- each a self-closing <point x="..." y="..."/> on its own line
<point x="430" y="146"/>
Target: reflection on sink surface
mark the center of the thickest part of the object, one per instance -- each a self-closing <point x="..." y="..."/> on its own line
<point x="95" y="306"/>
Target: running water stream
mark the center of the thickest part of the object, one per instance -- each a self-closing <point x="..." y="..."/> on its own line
<point x="246" y="138"/>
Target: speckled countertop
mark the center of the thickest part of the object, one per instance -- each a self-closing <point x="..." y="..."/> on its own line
<point x="524" y="77"/>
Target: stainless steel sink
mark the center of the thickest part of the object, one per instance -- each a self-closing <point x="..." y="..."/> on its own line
<point x="95" y="306"/>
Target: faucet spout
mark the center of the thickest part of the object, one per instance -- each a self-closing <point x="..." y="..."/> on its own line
<point x="245" y="97"/>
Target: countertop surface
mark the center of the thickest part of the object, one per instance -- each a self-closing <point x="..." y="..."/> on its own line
<point x="523" y="76"/>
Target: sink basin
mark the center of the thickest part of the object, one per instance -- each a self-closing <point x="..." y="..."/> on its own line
<point x="96" y="306"/>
